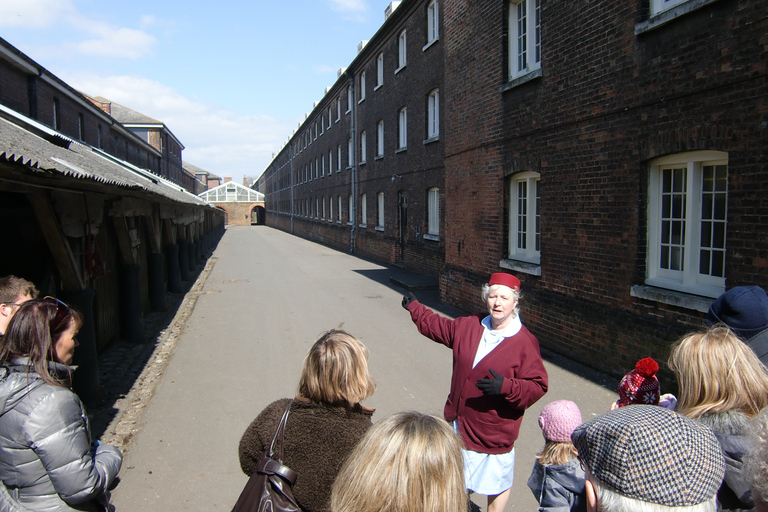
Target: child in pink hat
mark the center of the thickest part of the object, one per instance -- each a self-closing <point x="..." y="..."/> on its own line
<point x="557" y="479"/>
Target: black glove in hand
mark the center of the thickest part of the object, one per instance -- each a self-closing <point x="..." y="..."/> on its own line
<point x="407" y="299"/>
<point x="491" y="386"/>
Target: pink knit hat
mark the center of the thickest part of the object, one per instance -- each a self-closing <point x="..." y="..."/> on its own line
<point x="640" y="386"/>
<point x="559" y="419"/>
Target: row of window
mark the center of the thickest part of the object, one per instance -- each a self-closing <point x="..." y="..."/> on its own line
<point x="687" y="206"/>
<point x="317" y="209"/>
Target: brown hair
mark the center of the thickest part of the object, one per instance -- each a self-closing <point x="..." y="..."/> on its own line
<point x="33" y="333"/>
<point x="717" y="372"/>
<point x="11" y="287"/>
<point x="336" y="370"/>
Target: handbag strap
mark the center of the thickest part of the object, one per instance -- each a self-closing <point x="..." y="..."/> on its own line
<point x="280" y="434"/>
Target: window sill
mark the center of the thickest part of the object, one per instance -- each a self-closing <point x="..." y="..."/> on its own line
<point x="400" y="69"/>
<point x="360" y="100"/>
<point x="379" y="157"/>
<point x="525" y="267"/>
<point x="432" y="139"/>
<point x="379" y="228"/>
<point x="361" y="163"/>
<point x="664" y="17"/>
<point x="378" y="87"/>
<point x="522" y="79"/>
<point x="434" y="238"/>
<point x="673" y="298"/>
<point x="401" y="150"/>
<point x="349" y="223"/>
<point x="349" y="167"/>
<point x="362" y="226"/>
<point x="426" y="46"/>
<point x="347" y="112"/>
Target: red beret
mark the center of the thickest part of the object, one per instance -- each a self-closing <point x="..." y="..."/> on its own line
<point x="506" y="279"/>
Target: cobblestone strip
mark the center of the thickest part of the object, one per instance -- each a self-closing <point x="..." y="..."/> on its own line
<point x="128" y="422"/>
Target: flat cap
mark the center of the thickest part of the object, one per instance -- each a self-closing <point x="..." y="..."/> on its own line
<point x="652" y="454"/>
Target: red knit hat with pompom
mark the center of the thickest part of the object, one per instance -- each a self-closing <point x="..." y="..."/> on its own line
<point x="640" y="386"/>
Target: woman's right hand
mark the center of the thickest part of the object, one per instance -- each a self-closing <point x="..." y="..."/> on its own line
<point x="407" y="299"/>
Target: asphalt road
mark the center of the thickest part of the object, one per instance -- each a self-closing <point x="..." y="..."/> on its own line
<point x="265" y="301"/>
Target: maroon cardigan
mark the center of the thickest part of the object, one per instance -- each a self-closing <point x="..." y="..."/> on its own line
<point x="487" y="423"/>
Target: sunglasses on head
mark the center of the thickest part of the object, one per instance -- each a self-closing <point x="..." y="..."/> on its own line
<point x="62" y="312"/>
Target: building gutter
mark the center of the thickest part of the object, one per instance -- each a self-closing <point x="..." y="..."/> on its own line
<point x="353" y="163"/>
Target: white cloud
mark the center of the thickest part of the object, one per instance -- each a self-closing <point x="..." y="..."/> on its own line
<point x="323" y="69"/>
<point x="33" y="13"/>
<point x="351" y="9"/>
<point x="220" y="141"/>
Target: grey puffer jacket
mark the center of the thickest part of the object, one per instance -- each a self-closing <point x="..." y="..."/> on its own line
<point x="47" y="460"/>
<point x="730" y="429"/>
<point x="558" y="488"/>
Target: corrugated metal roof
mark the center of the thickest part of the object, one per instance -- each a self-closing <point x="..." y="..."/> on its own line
<point x="24" y="140"/>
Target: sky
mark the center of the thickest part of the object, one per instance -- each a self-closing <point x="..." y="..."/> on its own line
<point x="232" y="79"/>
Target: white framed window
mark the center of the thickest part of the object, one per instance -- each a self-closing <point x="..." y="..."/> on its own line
<point x="401" y="53"/>
<point x="322" y="124"/>
<point x="433" y="114"/>
<point x="433" y="212"/>
<point x="380" y="210"/>
<point x="322" y="166"/>
<point x="338" y="109"/>
<point x="330" y="209"/>
<point x="317" y="167"/>
<point x="323" y="218"/>
<point x="338" y="213"/>
<point x="432" y="22"/>
<point x="349" y="209"/>
<point x="338" y="158"/>
<point x="380" y="70"/>
<point x="330" y="161"/>
<point x="687" y="212"/>
<point x="350" y="153"/>
<point x="329" y="118"/>
<point x="658" y="6"/>
<point x="362" y="86"/>
<point x="363" y="211"/>
<point x="380" y="138"/>
<point x="402" y="128"/>
<point x="317" y="207"/>
<point x="524" y="218"/>
<point x="316" y="123"/>
<point x="363" y="147"/>
<point x="524" y="37"/>
<point x="349" y="100"/>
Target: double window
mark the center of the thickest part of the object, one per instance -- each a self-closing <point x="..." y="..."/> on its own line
<point x="687" y="208"/>
<point x="524" y="218"/>
<point x="524" y="37"/>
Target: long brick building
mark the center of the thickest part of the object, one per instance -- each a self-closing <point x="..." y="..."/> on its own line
<point x="611" y="154"/>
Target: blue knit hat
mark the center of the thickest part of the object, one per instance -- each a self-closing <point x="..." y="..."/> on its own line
<point x="744" y="309"/>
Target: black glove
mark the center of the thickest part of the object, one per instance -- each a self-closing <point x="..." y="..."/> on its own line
<point x="491" y="386"/>
<point x="407" y="299"/>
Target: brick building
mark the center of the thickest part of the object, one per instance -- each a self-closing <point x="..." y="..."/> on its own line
<point x="364" y="171"/>
<point x="610" y="154"/>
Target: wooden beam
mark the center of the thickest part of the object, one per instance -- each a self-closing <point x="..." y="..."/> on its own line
<point x="65" y="260"/>
<point x="124" y="241"/>
<point x="154" y="231"/>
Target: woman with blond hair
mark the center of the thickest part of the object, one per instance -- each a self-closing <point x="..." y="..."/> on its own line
<point x="325" y="421"/>
<point x="409" y="462"/>
<point x="722" y="384"/>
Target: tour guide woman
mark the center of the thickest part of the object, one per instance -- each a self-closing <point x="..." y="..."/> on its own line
<point x="497" y="374"/>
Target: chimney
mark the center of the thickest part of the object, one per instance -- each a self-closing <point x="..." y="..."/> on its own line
<point x="227" y="179"/>
<point x="361" y="45"/>
<point x="390" y="8"/>
<point x="245" y="183"/>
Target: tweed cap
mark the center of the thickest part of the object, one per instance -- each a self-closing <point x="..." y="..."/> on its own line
<point x="652" y="454"/>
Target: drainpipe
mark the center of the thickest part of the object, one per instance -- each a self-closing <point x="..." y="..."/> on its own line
<point x="290" y="169"/>
<point x="353" y="170"/>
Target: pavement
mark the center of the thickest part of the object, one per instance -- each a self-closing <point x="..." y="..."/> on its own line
<point x="177" y="404"/>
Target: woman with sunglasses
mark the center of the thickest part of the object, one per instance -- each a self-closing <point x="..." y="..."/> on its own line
<point x="47" y="458"/>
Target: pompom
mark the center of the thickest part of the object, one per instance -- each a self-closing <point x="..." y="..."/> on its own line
<point x="647" y="367"/>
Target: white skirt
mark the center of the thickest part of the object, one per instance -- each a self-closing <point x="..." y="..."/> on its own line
<point x="485" y="473"/>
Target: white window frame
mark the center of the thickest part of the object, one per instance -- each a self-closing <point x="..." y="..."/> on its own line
<point x="330" y="162"/>
<point x="349" y="100"/>
<point x="433" y="25"/>
<point x="380" y="138"/>
<point x="363" y="146"/>
<point x="433" y="214"/>
<point x="339" y="213"/>
<point x="317" y="167"/>
<point x="524" y="27"/>
<point x="363" y="211"/>
<point x="433" y="115"/>
<point x="379" y="71"/>
<point x="380" y="211"/>
<point x="659" y="6"/>
<point x="338" y="109"/>
<point x="322" y="166"/>
<point x="330" y="209"/>
<point x="330" y="121"/>
<point x="691" y="168"/>
<point x="524" y="218"/>
<point x="323" y="218"/>
<point x="350" y="206"/>
<point x="362" y="87"/>
<point x="350" y="154"/>
<point x="402" y="54"/>
<point x="317" y="207"/>
<point x="402" y="129"/>
<point x="338" y="158"/>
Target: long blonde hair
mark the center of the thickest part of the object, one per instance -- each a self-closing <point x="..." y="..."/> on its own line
<point x="336" y="370"/>
<point x="717" y="372"/>
<point x="556" y="453"/>
<point x="409" y="462"/>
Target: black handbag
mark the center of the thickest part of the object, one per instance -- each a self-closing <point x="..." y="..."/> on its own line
<point x="270" y="487"/>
